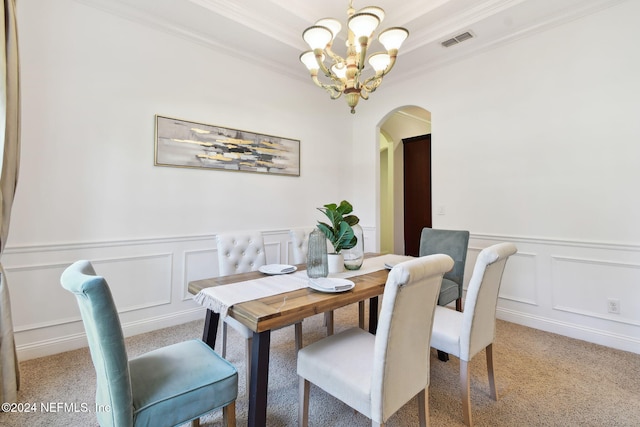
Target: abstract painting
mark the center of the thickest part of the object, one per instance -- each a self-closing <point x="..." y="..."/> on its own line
<point x="188" y="144"/>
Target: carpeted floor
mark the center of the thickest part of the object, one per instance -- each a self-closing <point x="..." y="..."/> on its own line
<point x="543" y="380"/>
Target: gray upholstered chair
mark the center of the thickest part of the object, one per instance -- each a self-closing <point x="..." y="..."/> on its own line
<point x="242" y="253"/>
<point x="378" y="374"/>
<point x="300" y="247"/>
<point x="454" y="243"/>
<point x="164" y="387"/>
<point x="466" y="334"/>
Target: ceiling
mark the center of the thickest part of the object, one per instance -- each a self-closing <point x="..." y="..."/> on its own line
<point x="268" y="32"/>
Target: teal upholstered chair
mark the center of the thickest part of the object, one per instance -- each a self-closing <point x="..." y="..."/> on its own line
<point x="169" y="386"/>
<point x="455" y="244"/>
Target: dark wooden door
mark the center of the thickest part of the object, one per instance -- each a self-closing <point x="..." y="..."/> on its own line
<point x="417" y="190"/>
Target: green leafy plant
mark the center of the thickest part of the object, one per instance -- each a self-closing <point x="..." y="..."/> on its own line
<point x="339" y="232"/>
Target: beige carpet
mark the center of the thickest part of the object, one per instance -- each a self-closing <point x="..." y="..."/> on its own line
<point x="543" y="380"/>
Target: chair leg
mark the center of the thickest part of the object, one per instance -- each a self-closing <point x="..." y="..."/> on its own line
<point x="248" y="362"/>
<point x="298" y="334"/>
<point x="361" y="314"/>
<point x="195" y="423"/>
<point x="492" y="378"/>
<point x="328" y="322"/>
<point x="423" y="407"/>
<point x="229" y="415"/>
<point x="224" y="340"/>
<point x="303" y="402"/>
<point x="442" y="356"/>
<point x="465" y="385"/>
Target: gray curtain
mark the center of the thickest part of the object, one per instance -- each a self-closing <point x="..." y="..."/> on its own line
<point x="10" y="130"/>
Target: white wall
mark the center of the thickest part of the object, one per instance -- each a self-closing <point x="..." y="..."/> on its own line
<point x="91" y="85"/>
<point x="536" y="142"/>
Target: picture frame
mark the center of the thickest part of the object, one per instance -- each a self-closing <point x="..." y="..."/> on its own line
<point x="188" y="144"/>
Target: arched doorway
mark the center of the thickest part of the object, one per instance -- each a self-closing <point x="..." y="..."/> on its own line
<point x="403" y="123"/>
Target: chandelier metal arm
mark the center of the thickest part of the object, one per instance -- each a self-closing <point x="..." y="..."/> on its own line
<point x="337" y="59"/>
<point x="363" y="53"/>
<point x="335" y="91"/>
<point x="372" y="83"/>
<point x="319" y="54"/>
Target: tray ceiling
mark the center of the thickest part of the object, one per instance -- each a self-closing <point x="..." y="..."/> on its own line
<point x="268" y="32"/>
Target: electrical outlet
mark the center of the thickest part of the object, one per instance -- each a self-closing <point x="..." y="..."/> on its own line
<point x="614" y="305"/>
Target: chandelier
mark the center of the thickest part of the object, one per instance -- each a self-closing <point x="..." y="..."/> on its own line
<point x="345" y="74"/>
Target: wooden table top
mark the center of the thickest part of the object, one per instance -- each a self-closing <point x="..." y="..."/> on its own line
<point x="285" y="309"/>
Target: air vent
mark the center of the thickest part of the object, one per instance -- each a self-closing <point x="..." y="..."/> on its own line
<point x="457" y="39"/>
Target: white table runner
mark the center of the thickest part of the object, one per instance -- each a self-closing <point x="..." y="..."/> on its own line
<point x="220" y="298"/>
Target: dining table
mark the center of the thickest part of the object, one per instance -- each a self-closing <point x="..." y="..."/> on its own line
<point x="264" y="302"/>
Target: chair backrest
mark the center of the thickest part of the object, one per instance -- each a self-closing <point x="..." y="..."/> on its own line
<point x="106" y="342"/>
<point x="300" y="244"/>
<point x="240" y="252"/>
<point x="451" y="242"/>
<point x="401" y="354"/>
<point x="479" y="316"/>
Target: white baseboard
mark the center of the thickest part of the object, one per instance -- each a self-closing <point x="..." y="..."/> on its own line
<point x="596" y="336"/>
<point x="75" y="341"/>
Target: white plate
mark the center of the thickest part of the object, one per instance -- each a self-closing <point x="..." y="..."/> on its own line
<point x="277" y="269"/>
<point x="331" y="284"/>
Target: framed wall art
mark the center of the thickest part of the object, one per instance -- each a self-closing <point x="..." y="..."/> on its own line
<point x="182" y="143"/>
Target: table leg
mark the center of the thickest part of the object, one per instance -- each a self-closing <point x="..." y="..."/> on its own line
<point x="259" y="379"/>
<point x="210" y="328"/>
<point x="373" y="315"/>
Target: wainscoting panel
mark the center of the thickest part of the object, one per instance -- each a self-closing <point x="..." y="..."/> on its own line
<point x="138" y="282"/>
<point x="198" y="264"/>
<point x="563" y="287"/>
<point x="37" y="298"/>
<point x="584" y="286"/>
<point x="519" y="282"/>
<point x="558" y="286"/>
<point x="274" y="251"/>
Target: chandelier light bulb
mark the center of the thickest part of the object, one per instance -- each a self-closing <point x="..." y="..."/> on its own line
<point x="317" y="37"/>
<point x="379" y="61"/>
<point x="363" y="24"/>
<point x="339" y="70"/>
<point x="379" y="12"/>
<point x="392" y="38"/>
<point x="332" y="24"/>
<point x="308" y="58"/>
